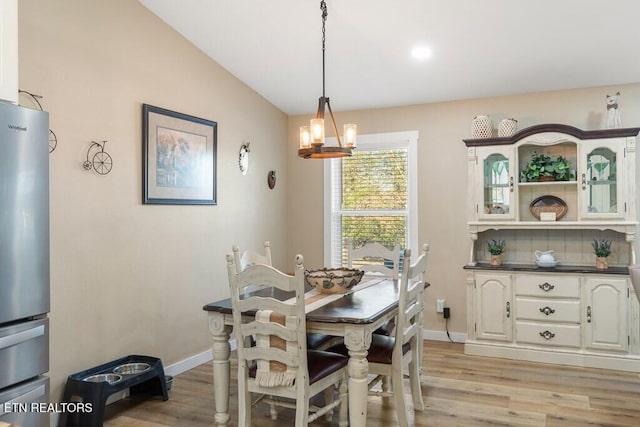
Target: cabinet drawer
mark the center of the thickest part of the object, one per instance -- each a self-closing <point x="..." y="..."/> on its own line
<point x="548" y="334"/>
<point x="548" y="309"/>
<point x="548" y="286"/>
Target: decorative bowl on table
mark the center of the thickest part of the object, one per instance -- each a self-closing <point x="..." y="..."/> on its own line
<point x="333" y="280"/>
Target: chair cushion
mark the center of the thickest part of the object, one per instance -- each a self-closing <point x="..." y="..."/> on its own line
<point x="381" y="350"/>
<point x="320" y="364"/>
<point x="317" y="341"/>
<point x="386" y="329"/>
<point x="323" y="363"/>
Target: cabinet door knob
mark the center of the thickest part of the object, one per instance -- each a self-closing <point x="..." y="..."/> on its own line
<point x="546" y="287"/>
<point x="547" y="335"/>
<point x="547" y="310"/>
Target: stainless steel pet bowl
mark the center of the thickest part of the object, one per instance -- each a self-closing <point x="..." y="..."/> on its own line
<point x="131" y="368"/>
<point x="99" y="378"/>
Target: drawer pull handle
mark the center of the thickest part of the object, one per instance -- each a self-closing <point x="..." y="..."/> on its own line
<point x="588" y="314"/>
<point x="546" y="287"/>
<point x="547" y="310"/>
<point x="547" y="335"/>
<point x="508" y="309"/>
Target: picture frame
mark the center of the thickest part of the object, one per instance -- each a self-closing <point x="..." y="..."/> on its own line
<point x="179" y="158"/>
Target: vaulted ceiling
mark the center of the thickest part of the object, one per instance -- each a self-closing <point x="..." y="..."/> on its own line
<point x="477" y="48"/>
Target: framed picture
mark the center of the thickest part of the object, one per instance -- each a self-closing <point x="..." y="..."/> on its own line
<point x="179" y="158"/>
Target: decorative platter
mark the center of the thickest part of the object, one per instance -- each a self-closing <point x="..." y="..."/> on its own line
<point x="548" y="204"/>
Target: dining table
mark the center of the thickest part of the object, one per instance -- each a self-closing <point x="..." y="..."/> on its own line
<point x="353" y="315"/>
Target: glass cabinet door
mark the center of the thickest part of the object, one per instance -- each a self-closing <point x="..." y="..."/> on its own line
<point x="601" y="181"/>
<point x="497" y="190"/>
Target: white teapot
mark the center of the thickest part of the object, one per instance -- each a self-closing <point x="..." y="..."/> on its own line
<point x="545" y="258"/>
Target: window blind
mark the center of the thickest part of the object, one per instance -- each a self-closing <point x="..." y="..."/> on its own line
<point x="369" y="199"/>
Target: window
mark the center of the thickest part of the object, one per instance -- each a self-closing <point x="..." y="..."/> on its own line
<point x="372" y="195"/>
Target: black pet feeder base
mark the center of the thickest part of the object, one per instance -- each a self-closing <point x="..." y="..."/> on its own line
<point x="140" y="374"/>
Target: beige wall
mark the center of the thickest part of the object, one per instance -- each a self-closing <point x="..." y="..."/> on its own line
<point x="131" y="278"/>
<point x="442" y="174"/>
<point x="128" y="278"/>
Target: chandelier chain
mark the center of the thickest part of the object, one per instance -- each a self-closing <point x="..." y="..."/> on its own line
<point x="323" y="7"/>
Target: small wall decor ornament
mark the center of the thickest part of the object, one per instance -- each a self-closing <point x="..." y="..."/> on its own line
<point x="613" y="111"/>
<point x="507" y="127"/>
<point x="98" y="159"/>
<point x="481" y="127"/>
<point x="271" y="179"/>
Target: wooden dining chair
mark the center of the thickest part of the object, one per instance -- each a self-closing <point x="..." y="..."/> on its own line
<point x="392" y="356"/>
<point x="374" y="258"/>
<point x="249" y="257"/>
<point x="280" y="365"/>
<point x="315" y="341"/>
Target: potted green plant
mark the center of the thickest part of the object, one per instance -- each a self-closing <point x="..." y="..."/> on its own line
<point x="542" y="167"/>
<point x="602" y="249"/>
<point x="496" y="248"/>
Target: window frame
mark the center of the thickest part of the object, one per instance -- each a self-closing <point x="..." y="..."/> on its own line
<point x="372" y="142"/>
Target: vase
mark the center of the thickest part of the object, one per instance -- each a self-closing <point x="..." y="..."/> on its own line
<point x="496" y="260"/>
<point x="601" y="263"/>
<point x="481" y="127"/>
<point x="507" y="127"/>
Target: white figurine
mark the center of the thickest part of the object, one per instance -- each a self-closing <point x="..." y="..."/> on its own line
<point x="613" y="111"/>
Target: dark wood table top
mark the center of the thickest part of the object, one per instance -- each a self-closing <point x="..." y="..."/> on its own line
<point x="359" y="307"/>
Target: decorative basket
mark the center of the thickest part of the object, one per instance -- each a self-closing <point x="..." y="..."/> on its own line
<point x="507" y="127"/>
<point x="481" y="127"/>
<point x="333" y="280"/>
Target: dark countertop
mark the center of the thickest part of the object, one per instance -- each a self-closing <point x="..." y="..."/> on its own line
<point x="560" y="268"/>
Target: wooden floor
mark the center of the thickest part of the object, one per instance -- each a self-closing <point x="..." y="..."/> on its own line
<point x="459" y="390"/>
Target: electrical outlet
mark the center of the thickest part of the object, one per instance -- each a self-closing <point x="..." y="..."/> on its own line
<point x="440" y="303"/>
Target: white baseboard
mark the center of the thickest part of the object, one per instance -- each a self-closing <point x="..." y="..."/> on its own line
<point x="188" y="363"/>
<point x="457" y="337"/>
<point x="206" y="356"/>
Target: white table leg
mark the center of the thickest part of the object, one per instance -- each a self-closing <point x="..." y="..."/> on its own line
<point x="358" y="341"/>
<point x="221" y="366"/>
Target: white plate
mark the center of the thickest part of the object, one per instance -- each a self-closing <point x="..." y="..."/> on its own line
<point x="546" y="263"/>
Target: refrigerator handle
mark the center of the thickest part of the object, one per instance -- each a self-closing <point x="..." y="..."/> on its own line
<point x="29" y="396"/>
<point x="21" y="337"/>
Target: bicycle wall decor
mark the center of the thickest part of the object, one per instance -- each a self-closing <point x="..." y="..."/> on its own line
<point x="53" y="139"/>
<point x="98" y="159"/>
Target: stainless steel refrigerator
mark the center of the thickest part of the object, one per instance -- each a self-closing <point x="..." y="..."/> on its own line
<point x="24" y="265"/>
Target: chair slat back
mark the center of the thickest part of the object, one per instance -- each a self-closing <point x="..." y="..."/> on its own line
<point x="283" y="321"/>
<point x="411" y="301"/>
<point x="249" y="257"/>
<point x="374" y="258"/>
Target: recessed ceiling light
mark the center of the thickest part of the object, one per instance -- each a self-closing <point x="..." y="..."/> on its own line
<point x="421" y="52"/>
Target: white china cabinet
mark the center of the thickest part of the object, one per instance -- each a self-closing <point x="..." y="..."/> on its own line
<point x="9" y="50"/>
<point x="572" y="313"/>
